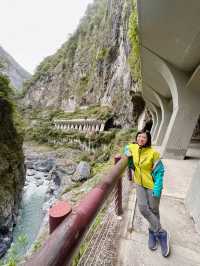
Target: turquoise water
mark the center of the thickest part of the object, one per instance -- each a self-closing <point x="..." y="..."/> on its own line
<point x="32" y="214"/>
<point x="31" y="217"/>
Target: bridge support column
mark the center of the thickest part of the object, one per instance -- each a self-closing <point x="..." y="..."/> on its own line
<point x="141" y="121"/>
<point x="158" y="118"/>
<point x="102" y="127"/>
<point x="154" y="122"/>
<point x="97" y="128"/>
<point x="166" y="114"/>
<point x="185" y="114"/>
<point x="193" y="198"/>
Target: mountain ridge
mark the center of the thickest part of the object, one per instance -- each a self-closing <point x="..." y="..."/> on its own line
<point x="11" y="68"/>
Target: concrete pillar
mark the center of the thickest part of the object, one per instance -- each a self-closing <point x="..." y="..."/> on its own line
<point x="185" y="114"/>
<point x="165" y="118"/>
<point x="141" y="121"/>
<point x="102" y="127"/>
<point x="154" y="121"/>
<point x="157" y="112"/>
<point x="193" y="198"/>
<point x="159" y="118"/>
<point x="97" y="128"/>
<point x="166" y="115"/>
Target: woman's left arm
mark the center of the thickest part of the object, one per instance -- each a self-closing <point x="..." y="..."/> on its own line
<point x="157" y="173"/>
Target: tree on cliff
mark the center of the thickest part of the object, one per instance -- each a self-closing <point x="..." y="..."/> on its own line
<point x="5" y="89"/>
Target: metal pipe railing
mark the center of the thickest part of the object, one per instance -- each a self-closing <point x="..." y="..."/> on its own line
<point x="63" y="242"/>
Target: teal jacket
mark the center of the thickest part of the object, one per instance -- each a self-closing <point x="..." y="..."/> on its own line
<point x="157" y="173"/>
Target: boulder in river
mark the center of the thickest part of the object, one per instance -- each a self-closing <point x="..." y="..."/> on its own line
<point x="82" y="172"/>
<point x="56" y="178"/>
<point x="44" y="165"/>
<point x="39" y="183"/>
<point x="30" y="172"/>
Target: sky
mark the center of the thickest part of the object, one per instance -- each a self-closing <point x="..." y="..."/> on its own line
<point x="30" y="30"/>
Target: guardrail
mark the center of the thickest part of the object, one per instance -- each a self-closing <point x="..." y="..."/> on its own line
<point x="65" y="239"/>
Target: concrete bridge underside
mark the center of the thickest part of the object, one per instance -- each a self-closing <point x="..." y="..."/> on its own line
<point x="170" y="53"/>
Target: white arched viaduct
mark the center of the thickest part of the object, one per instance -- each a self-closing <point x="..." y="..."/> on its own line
<point x="170" y="56"/>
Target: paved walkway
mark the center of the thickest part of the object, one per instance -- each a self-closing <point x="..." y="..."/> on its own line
<point x="185" y="242"/>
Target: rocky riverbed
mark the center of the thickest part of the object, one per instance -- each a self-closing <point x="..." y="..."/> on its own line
<point x="48" y="173"/>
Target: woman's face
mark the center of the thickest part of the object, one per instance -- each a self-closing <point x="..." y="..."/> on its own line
<point x="142" y="139"/>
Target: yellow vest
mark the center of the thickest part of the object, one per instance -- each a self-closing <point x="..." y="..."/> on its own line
<point x="144" y="159"/>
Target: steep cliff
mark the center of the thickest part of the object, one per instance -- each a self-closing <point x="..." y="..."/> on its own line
<point x="91" y="67"/>
<point x="11" y="166"/>
<point x="12" y="69"/>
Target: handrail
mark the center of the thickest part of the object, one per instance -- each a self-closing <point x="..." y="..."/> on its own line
<point x="63" y="242"/>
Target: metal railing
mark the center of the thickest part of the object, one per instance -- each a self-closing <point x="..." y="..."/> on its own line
<point x="101" y="243"/>
<point x="65" y="240"/>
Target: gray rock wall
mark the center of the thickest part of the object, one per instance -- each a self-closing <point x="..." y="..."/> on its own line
<point x="92" y="67"/>
<point x="12" y="174"/>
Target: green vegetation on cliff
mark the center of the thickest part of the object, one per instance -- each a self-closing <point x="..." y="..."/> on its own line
<point x="5" y="89"/>
<point x="134" y="57"/>
<point x="94" y="111"/>
<point x="11" y="159"/>
<point x="7" y="101"/>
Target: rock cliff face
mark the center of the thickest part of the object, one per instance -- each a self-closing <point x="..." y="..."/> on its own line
<point x="11" y="167"/>
<point x="91" y="67"/>
<point x="12" y="69"/>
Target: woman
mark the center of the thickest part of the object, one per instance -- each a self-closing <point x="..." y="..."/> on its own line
<point x="148" y="176"/>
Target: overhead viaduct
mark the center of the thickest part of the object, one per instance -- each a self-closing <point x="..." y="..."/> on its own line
<point x="170" y="60"/>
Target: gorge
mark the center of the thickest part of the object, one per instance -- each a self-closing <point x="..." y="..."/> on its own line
<point x="91" y="76"/>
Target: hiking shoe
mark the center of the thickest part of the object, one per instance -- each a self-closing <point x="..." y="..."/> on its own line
<point x="152" y="243"/>
<point x="163" y="238"/>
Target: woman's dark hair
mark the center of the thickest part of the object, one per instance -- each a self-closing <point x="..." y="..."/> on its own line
<point x="148" y="144"/>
